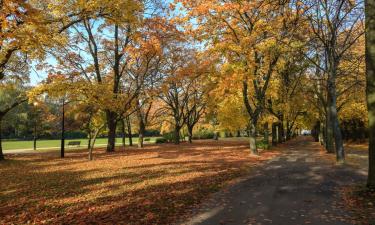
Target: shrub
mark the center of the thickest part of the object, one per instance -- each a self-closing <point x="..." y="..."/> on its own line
<point x="263" y="144"/>
<point x="169" y="136"/>
<point x="160" y="140"/>
<point x="146" y="139"/>
<point x="204" y="134"/>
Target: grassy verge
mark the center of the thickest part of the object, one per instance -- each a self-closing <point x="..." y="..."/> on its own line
<point x="155" y="185"/>
<point x="42" y="144"/>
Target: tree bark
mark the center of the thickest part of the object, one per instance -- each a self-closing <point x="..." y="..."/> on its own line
<point x="321" y="133"/>
<point x="329" y="130"/>
<point x="339" y="145"/>
<point x="111" y="123"/>
<point x="288" y="130"/>
<point x="141" y="133"/>
<point x="266" y="138"/>
<point x="89" y="141"/>
<point x="93" y="143"/>
<point x="190" y="134"/>
<point x="176" y="135"/>
<point x="274" y="134"/>
<point x="130" y="134"/>
<point x="35" y="137"/>
<point x="280" y="133"/>
<point x="1" y="144"/>
<point x="370" y="87"/>
<point x="123" y="133"/>
<point x="252" y="138"/>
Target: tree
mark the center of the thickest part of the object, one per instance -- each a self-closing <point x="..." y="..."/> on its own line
<point x="336" y="26"/>
<point x="12" y="95"/>
<point x="99" y="51"/>
<point x="370" y="75"/>
<point x="250" y="43"/>
<point x="198" y="75"/>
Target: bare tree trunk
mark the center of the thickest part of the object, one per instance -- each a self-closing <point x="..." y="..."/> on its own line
<point x="266" y="138"/>
<point x="177" y="135"/>
<point x="123" y="133"/>
<point x="321" y="133"/>
<point x="282" y="130"/>
<point x="111" y="122"/>
<point x="35" y="137"/>
<point x="93" y="143"/>
<point x="280" y="133"/>
<point x="141" y="134"/>
<point x="370" y="88"/>
<point x="130" y="135"/>
<point x="252" y="138"/>
<point x="1" y="144"/>
<point x="89" y="141"/>
<point x="190" y="134"/>
<point x="288" y="130"/>
<point x="274" y="134"/>
<point x="339" y="145"/>
<point x="329" y="129"/>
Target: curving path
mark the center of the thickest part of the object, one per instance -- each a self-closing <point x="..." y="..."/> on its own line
<point x="299" y="187"/>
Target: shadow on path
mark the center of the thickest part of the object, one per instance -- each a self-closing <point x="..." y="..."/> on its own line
<point x="299" y="187"/>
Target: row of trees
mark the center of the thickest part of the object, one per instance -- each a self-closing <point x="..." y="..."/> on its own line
<point x="232" y="65"/>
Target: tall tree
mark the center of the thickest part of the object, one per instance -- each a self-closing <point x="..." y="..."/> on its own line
<point x="336" y="27"/>
<point x="11" y="96"/>
<point x="250" y="43"/>
<point x="370" y="71"/>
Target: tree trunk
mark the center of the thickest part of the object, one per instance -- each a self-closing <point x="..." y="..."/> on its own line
<point x="329" y="130"/>
<point x="252" y="138"/>
<point x="280" y="133"/>
<point x="282" y="130"/>
<point x="93" y="143"/>
<point x="190" y="134"/>
<point x="321" y="133"/>
<point x="141" y="134"/>
<point x="266" y="138"/>
<point x="1" y="144"/>
<point x="370" y="87"/>
<point x="216" y="136"/>
<point x="176" y="135"/>
<point x="111" y="122"/>
<point x="123" y="133"/>
<point x="89" y="141"/>
<point x="34" y="144"/>
<point x="130" y="134"/>
<point x="288" y="130"/>
<point x="274" y="134"/>
<point x="339" y="145"/>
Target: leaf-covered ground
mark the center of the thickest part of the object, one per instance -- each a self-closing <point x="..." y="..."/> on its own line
<point x="156" y="185"/>
<point x="357" y="198"/>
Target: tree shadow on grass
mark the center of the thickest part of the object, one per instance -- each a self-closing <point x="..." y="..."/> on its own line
<point x="154" y="185"/>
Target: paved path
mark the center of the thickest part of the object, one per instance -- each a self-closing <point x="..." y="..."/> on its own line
<point x="296" y="188"/>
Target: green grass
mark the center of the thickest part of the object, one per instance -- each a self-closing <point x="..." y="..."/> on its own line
<point x="42" y="144"/>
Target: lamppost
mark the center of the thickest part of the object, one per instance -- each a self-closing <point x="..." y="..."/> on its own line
<point x="35" y="123"/>
<point x="62" y="150"/>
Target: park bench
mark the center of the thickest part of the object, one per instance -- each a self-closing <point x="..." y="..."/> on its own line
<point x="74" y="143"/>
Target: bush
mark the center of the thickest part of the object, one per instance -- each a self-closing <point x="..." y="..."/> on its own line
<point x="160" y="140"/>
<point x="263" y="145"/>
<point x="169" y="136"/>
<point x="146" y="139"/>
<point x="203" y="134"/>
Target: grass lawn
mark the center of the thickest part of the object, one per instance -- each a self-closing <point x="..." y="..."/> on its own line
<point x="159" y="184"/>
<point x="16" y="145"/>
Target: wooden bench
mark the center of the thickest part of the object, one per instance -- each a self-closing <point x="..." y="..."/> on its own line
<point x="74" y="143"/>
